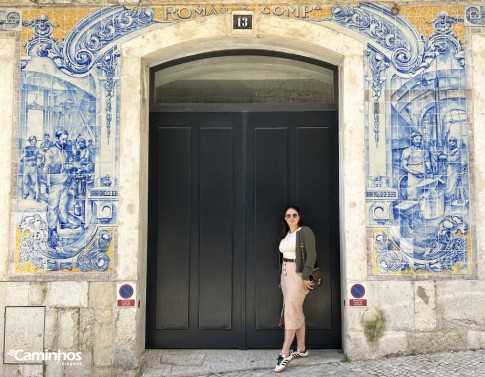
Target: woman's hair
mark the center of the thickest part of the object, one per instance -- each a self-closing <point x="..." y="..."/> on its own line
<point x="285" y="228"/>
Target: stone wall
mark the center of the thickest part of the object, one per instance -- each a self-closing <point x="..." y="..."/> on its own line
<point x="77" y="323"/>
<point x="424" y="314"/>
<point x="417" y="317"/>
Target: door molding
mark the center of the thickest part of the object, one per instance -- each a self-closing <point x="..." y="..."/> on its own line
<point x="238" y="108"/>
<point x="241" y="107"/>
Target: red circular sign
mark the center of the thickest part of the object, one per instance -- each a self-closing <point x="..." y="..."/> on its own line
<point x="126" y="291"/>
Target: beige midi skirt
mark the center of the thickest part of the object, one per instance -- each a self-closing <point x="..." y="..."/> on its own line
<point x="294" y="293"/>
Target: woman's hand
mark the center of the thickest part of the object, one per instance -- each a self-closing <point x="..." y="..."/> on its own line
<point x="308" y="284"/>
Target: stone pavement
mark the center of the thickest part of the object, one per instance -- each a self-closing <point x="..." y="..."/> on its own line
<point x="320" y="363"/>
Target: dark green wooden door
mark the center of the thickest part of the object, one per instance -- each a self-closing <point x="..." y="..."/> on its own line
<point x="218" y="185"/>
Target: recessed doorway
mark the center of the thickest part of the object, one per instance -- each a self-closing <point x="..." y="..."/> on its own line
<point x="234" y="138"/>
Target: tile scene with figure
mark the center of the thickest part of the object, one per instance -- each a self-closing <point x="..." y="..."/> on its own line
<point x="68" y="139"/>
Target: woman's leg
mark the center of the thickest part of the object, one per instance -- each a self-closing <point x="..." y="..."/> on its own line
<point x="289" y="336"/>
<point x="300" y="338"/>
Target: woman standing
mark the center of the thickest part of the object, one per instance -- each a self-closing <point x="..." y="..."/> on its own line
<point x="296" y="269"/>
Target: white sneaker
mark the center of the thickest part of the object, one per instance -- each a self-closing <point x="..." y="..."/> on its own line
<point x="296" y="354"/>
<point x="282" y="362"/>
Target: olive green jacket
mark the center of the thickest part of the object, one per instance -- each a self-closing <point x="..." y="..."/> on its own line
<point x="305" y="266"/>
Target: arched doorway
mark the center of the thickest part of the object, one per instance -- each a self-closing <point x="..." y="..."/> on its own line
<point x="166" y="43"/>
<point x="235" y="136"/>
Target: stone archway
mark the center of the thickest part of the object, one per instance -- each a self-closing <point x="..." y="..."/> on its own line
<point x="214" y="34"/>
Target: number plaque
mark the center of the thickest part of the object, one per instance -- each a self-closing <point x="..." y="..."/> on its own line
<point x="242" y="21"/>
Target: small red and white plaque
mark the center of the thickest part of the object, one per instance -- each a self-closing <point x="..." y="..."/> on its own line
<point x="358" y="294"/>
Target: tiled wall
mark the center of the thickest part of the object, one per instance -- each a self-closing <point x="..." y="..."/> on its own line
<point x="418" y="184"/>
<point x="67" y="160"/>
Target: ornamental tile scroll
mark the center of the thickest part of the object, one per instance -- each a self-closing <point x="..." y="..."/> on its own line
<point x="9" y="20"/>
<point x="475" y="15"/>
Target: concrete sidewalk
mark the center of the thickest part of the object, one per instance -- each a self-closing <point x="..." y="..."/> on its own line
<point x="260" y="363"/>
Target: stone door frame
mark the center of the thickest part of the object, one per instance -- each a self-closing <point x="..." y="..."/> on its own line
<point x="161" y="44"/>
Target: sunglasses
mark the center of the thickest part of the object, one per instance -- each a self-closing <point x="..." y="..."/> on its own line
<point x="290" y="215"/>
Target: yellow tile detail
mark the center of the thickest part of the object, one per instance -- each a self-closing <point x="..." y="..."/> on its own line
<point x="63" y="19"/>
<point x="22" y="266"/>
<point x="421" y="18"/>
<point x="375" y="267"/>
<point x="27" y="266"/>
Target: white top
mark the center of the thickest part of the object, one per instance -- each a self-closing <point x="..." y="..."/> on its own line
<point x="288" y="245"/>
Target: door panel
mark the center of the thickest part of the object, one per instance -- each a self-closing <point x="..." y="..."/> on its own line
<point x="218" y="184"/>
<point x="173" y="181"/>
<point x="314" y="196"/>
<point x="270" y="191"/>
<point x="216" y="228"/>
<point x="193" y="211"/>
<point x="294" y="159"/>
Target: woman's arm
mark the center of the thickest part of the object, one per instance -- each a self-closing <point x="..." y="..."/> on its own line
<point x="310" y="251"/>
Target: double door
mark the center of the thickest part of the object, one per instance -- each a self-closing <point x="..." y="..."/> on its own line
<point x="219" y="183"/>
